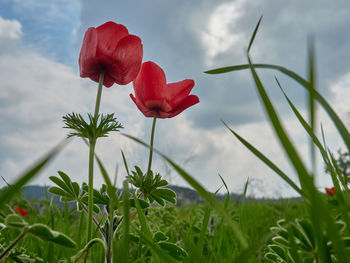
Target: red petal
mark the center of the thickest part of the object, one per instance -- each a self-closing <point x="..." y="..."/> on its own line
<point x="150" y="84"/>
<point x="178" y="91"/>
<point x="147" y="112"/>
<point x="128" y="55"/>
<point x="109" y="35"/>
<point x="186" y="103"/>
<point x="88" y="53"/>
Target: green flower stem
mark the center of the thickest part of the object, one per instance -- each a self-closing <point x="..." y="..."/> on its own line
<point x="99" y="92"/>
<point x="151" y="143"/>
<point x="92" y="142"/>
<point x="10" y="247"/>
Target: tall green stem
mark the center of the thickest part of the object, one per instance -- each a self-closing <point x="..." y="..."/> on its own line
<point x="92" y="142"/>
<point x="151" y="143"/>
<point x="99" y="92"/>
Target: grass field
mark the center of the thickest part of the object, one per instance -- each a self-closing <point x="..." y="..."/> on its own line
<point x="183" y="226"/>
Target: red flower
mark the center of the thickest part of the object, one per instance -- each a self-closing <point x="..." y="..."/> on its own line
<point x="330" y="191"/>
<point x="153" y="94"/>
<point x="183" y="215"/>
<point x="109" y="47"/>
<point x="20" y="210"/>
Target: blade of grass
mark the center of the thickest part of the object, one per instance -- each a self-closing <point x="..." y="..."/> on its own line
<point x="312" y="105"/>
<point x="254" y="34"/>
<point x="24" y="178"/>
<point x="314" y="140"/>
<point x="227" y="199"/>
<point x="267" y="161"/>
<point x="203" y="230"/>
<point x="331" y="113"/>
<point x="123" y="251"/>
<point x="212" y="201"/>
<point x="125" y="164"/>
<point x="280" y="131"/>
<point x="317" y="203"/>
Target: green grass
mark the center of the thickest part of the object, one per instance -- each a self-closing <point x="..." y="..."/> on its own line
<point x="180" y="225"/>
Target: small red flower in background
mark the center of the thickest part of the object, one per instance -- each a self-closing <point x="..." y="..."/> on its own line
<point x="330" y="191"/>
<point x="20" y="210"/>
<point x="183" y="215"/>
<point x="110" y="48"/>
<point x="153" y="94"/>
<point x="132" y="216"/>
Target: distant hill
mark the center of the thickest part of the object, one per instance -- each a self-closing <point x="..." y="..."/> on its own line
<point x="185" y="195"/>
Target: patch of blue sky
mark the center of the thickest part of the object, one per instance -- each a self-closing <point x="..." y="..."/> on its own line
<point x="49" y="27"/>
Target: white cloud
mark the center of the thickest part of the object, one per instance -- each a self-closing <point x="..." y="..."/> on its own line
<point x="220" y="33"/>
<point x="10" y="32"/>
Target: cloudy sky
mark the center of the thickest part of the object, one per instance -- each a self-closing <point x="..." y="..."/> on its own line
<point x="39" y="48"/>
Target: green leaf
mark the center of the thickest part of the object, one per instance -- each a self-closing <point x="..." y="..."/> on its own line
<point x="76" y="188"/>
<point x="58" y="191"/>
<point x="173" y="250"/>
<point x="278" y="251"/>
<point x="13" y="220"/>
<point x="60" y="183"/>
<point x="143" y="203"/>
<point x="45" y="233"/>
<point x="24" y="178"/>
<point x="272" y="256"/>
<point x="159" y="236"/>
<point x="164" y="192"/>
<point x="160" y="252"/>
<point x="158" y="199"/>
<point x="66" y="180"/>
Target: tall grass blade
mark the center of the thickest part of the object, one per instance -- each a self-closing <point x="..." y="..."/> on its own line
<point x="267" y="161"/>
<point x="125" y="164"/>
<point x="204" y="230"/>
<point x="123" y="251"/>
<point x="254" y="34"/>
<point x="312" y="105"/>
<point x="227" y="198"/>
<point x="317" y="204"/>
<point x="331" y="113"/>
<point x="24" y="178"/>
<point x="314" y="140"/>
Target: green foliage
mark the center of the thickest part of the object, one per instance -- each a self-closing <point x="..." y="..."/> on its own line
<point x="45" y="233"/>
<point x="152" y="186"/>
<point x="296" y="242"/>
<point x="71" y="192"/>
<point x="97" y="127"/>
